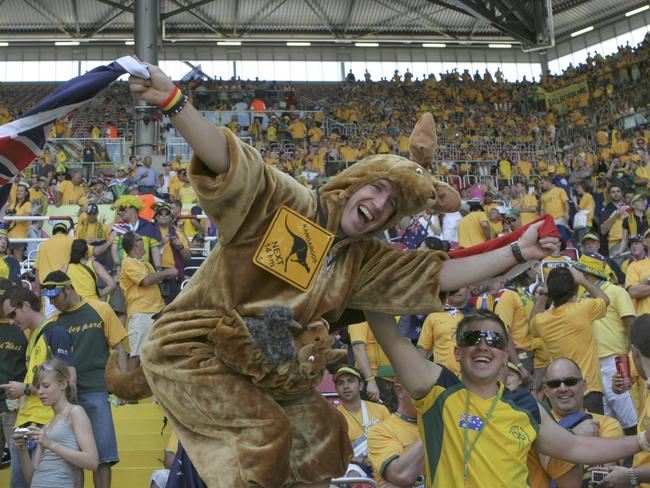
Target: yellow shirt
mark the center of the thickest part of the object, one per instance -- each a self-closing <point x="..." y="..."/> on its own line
<point x="53" y="255"/>
<point x="315" y="134"/>
<point x="637" y="273"/>
<point x="496" y="228"/>
<point x="528" y="202"/>
<point x="553" y="202"/>
<point x="610" y="331"/>
<point x="186" y="194"/>
<point x="348" y="153"/>
<point x="543" y="469"/>
<point x="37" y="353"/>
<point x="505" y="169"/>
<point x="439" y="333"/>
<point x="87" y="230"/>
<point x="82" y="281"/>
<point x="298" y="130"/>
<point x="19" y="229"/>
<point x="510" y="309"/>
<point x="388" y="440"/>
<point x="379" y="364"/>
<point x="356" y="428"/>
<point x="524" y="167"/>
<point x="567" y="332"/>
<point x="139" y="299"/>
<point x="167" y="257"/>
<point x="587" y="202"/>
<point x="72" y="194"/>
<point x="470" y="230"/>
<point x="500" y="456"/>
<point x="550" y="262"/>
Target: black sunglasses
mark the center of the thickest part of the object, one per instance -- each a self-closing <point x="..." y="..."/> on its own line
<point x="121" y="208"/>
<point x="12" y="315"/>
<point x="164" y="214"/>
<point x="570" y="381"/>
<point x="492" y="339"/>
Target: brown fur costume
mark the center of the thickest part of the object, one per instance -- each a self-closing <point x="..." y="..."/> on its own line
<point x="242" y="421"/>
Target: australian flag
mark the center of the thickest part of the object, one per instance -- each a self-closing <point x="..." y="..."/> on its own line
<point x="22" y="140"/>
<point x="474" y="423"/>
<point x="414" y="235"/>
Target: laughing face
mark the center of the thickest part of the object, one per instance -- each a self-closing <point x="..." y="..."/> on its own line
<point x="369" y="208"/>
<point x="481" y="363"/>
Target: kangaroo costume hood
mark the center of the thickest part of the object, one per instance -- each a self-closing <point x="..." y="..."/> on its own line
<point x="235" y="375"/>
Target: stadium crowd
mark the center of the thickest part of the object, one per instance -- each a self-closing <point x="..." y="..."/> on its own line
<point x="575" y="329"/>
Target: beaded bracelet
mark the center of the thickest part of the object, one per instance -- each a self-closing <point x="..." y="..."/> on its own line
<point x="171" y="100"/>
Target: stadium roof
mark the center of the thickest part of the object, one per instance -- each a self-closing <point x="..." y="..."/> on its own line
<point x="329" y="21"/>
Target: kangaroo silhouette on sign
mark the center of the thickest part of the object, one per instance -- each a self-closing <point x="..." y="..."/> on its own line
<point x="299" y="248"/>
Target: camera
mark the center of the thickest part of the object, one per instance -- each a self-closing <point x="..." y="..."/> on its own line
<point x="597" y="477"/>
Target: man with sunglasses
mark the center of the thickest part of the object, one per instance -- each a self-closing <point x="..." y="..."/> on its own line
<point x="174" y="250"/>
<point x="475" y="433"/>
<point x="95" y="330"/>
<point x="564" y="387"/>
<point x="47" y="340"/>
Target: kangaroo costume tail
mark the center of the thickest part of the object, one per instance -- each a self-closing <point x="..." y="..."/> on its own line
<point x="128" y="386"/>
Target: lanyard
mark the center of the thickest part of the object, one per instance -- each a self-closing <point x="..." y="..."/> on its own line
<point x="468" y="452"/>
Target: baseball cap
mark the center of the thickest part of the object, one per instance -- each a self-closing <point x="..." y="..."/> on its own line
<point x="646" y="233"/>
<point x="54" y="284"/>
<point x="198" y="237"/>
<point x="592" y="236"/>
<point x="347" y="370"/>
<point x="515" y="368"/>
<point x="636" y="238"/>
<point x="92" y="209"/>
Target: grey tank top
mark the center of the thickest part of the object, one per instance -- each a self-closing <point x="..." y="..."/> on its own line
<point x="52" y="470"/>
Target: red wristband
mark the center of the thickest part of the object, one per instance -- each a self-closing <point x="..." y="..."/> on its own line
<point x="169" y="102"/>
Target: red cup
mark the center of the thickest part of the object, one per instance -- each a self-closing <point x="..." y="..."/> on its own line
<point x="623" y="368"/>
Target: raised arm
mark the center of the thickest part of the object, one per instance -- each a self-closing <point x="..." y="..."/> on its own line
<point x="415" y="373"/>
<point x="207" y="142"/>
<point x="459" y="273"/>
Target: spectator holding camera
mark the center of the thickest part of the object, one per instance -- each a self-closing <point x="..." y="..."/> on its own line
<point x="65" y="445"/>
<point x="47" y="339"/>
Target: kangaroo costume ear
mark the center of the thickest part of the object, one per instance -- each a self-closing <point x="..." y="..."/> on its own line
<point x="424" y="141"/>
<point x="422" y="146"/>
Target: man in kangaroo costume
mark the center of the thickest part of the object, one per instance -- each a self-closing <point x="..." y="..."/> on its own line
<point x="245" y="409"/>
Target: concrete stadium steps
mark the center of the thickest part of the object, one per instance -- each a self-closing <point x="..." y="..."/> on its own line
<point x="139" y="442"/>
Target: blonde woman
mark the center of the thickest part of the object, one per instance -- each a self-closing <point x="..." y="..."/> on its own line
<point x="65" y="445"/>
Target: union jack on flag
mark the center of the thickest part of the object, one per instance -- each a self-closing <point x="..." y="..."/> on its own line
<point x="22" y="140"/>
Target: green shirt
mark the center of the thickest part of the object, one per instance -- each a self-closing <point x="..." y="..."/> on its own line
<point x="13" y="346"/>
<point x="94" y="328"/>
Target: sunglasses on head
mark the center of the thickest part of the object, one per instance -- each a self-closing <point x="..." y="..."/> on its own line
<point x="52" y="286"/>
<point x="491" y="338"/>
<point x="571" y="381"/>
